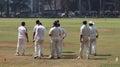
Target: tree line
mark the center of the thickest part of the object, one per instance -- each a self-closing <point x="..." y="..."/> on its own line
<point x="59" y="8"/>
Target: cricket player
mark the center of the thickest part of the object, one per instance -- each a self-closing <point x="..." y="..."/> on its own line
<point x="22" y="36"/>
<point x="55" y="35"/>
<point x="39" y="39"/>
<point x="93" y="36"/>
<point x="84" y="39"/>
<point x="35" y="27"/>
<point x="63" y="35"/>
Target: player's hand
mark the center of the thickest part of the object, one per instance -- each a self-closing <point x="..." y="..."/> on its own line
<point x="27" y="40"/>
<point x="81" y="40"/>
<point x="33" y="40"/>
<point x="97" y="36"/>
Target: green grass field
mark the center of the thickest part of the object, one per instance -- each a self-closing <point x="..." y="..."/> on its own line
<point x="108" y="46"/>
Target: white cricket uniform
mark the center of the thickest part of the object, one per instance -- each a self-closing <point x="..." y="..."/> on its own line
<point x="39" y="39"/>
<point x="21" y="39"/>
<point x="35" y="27"/>
<point x="93" y="34"/>
<point x="55" y="41"/>
<point x="85" y="32"/>
<point x="63" y="35"/>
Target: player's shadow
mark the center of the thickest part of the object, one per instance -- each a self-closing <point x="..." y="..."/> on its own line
<point x="28" y="55"/>
<point x="103" y="55"/>
<point x="68" y="52"/>
<point x="98" y="58"/>
<point x="73" y="56"/>
<point x="69" y="55"/>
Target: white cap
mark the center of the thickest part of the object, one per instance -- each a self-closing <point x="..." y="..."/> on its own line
<point x="91" y="22"/>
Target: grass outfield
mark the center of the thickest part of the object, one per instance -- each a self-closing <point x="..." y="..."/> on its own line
<point x="108" y="46"/>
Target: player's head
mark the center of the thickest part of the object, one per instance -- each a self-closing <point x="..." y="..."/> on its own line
<point x="57" y="21"/>
<point x="22" y="23"/>
<point x="84" y="22"/>
<point x="55" y="24"/>
<point x="91" y="23"/>
<point x="58" y="25"/>
<point x="37" y="21"/>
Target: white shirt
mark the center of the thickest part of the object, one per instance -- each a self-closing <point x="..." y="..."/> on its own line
<point x="85" y="32"/>
<point x="63" y="32"/>
<point x="55" y="33"/>
<point x="35" y="27"/>
<point x="40" y="33"/>
<point x="21" y="32"/>
<point x="93" y="32"/>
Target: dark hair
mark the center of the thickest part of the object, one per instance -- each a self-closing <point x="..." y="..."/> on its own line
<point x="90" y="24"/>
<point x="58" y="24"/>
<point x="57" y="21"/>
<point x="85" y="22"/>
<point x="55" y="24"/>
<point x="23" y="23"/>
<point x="37" y="21"/>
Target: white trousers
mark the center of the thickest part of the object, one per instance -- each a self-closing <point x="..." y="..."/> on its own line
<point x="38" y="48"/>
<point x="93" y="45"/>
<point x="21" y="44"/>
<point x="61" y="45"/>
<point x="86" y="43"/>
<point x="55" y="46"/>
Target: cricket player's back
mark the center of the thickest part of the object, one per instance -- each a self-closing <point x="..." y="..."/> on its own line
<point x="55" y="32"/>
<point x="85" y="31"/>
<point x="21" y="32"/>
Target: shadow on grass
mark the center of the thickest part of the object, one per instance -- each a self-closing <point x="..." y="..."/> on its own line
<point x="68" y="52"/>
<point x="103" y="55"/>
<point x="74" y="56"/>
<point x="28" y="54"/>
<point x="98" y="58"/>
<point x="69" y="55"/>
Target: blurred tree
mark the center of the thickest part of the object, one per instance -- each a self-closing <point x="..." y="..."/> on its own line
<point x="19" y="6"/>
<point x="117" y="4"/>
<point x="2" y="7"/>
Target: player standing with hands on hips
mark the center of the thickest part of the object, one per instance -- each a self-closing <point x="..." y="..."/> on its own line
<point x="93" y="36"/>
<point x="63" y="35"/>
<point x="22" y="36"/>
<point x="84" y="39"/>
<point x="55" y="44"/>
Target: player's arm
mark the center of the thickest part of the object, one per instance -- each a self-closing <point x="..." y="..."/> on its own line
<point x="33" y="35"/>
<point x="81" y="36"/>
<point x="64" y="34"/>
<point x="97" y="34"/>
<point x="26" y="34"/>
<point x="50" y="32"/>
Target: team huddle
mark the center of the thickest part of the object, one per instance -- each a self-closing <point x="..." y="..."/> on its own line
<point x="88" y="35"/>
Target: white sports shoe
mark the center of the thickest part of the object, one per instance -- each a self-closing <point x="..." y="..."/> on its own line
<point x="80" y="57"/>
<point x="17" y="54"/>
